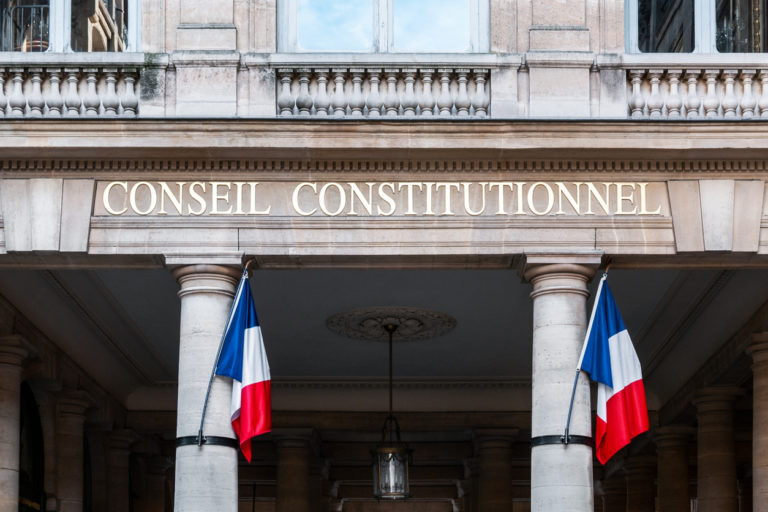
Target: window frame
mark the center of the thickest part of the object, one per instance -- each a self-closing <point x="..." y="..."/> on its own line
<point x="383" y="29"/>
<point x="704" y="28"/>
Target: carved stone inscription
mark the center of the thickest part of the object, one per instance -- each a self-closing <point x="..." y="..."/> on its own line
<point x="379" y="199"/>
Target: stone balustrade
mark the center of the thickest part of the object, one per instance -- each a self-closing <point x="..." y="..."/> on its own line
<point x="383" y="92"/>
<point x="695" y="88"/>
<point x="69" y="85"/>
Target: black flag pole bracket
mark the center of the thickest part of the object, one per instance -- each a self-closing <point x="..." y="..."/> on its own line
<point x="560" y="439"/>
<point x="210" y="440"/>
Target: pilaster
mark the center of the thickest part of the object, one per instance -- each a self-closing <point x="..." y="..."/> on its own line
<point x="494" y="451"/>
<point x="672" y="467"/>
<point x="293" y="469"/>
<point x="70" y="419"/>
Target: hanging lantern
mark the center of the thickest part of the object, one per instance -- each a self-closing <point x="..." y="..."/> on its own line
<point x="390" y="464"/>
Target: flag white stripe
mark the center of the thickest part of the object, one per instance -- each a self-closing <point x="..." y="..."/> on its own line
<point x="625" y="369"/>
<point x="255" y="366"/>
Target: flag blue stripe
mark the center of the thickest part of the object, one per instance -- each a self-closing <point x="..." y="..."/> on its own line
<point x="606" y="323"/>
<point x="243" y="317"/>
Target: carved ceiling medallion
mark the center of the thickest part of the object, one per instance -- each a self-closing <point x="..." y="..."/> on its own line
<point x="413" y="324"/>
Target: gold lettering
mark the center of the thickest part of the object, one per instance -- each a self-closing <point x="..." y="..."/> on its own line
<point x="467" y="207"/>
<point x="447" y="186"/>
<point x="254" y="211"/>
<point x="216" y="197"/>
<point x="520" y="202"/>
<point x="410" y="185"/>
<point x="342" y="199"/>
<point x="604" y="201"/>
<point x="621" y="197"/>
<point x="239" y="197"/>
<point x="152" y="198"/>
<point x="105" y="197"/>
<point x="562" y="191"/>
<point x="197" y="197"/>
<point x="165" y="191"/>
<point x="501" y="186"/>
<point x="550" y="198"/>
<point x="428" y="194"/>
<point x="295" y="198"/>
<point x="387" y="199"/>
<point x="643" y="202"/>
<point x="367" y="203"/>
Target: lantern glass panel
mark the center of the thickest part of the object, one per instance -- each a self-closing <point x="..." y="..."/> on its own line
<point x="391" y="473"/>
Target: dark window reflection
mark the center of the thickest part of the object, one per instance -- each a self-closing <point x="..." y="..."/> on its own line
<point x="23" y="26"/>
<point x="665" y="25"/>
<point x="741" y="26"/>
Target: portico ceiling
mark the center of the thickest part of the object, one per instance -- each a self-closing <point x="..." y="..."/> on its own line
<point x="121" y="325"/>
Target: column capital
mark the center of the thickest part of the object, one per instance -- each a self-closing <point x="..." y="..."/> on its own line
<point x="295" y="437"/>
<point x="716" y="398"/>
<point x="216" y="279"/>
<point x="672" y="435"/>
<point x="536" y="264"/>
<point x="14" y="350"/>
<point x="73" y="403"/>
<point x="758" y="348"/>
<point x="489" y="438"/>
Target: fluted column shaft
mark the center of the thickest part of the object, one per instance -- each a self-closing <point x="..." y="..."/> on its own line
<point x="758" y="349"/>
<point x="672" y="468"/>
<point x="641" y="493"/>
<point x="293" y="461"/>
<point x="561" y="477"/>
<point x="69" y="451"/>
<point x="12" y="355"/>
<point x="206" y="477"/>
<point x="495" y="491"/>
<point x="716" y="479"/>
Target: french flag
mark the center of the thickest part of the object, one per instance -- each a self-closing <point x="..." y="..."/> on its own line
<point x="244" y="360"/>
<point x="610" y="359"/>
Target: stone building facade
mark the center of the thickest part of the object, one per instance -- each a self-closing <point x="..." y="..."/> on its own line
<point x="483" y="159"/>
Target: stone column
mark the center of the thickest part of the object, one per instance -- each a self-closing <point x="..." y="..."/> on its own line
<point x="293" y="460"/>
<point x="70" y="419"/>
<point x="12" y="355"/>
<point x="672" y="468"/>
<point x="641" y="493"/>
<point x="561" y="477"/>
<point x="118" y="470"/>
<point x="716" y="479"/>
<point x="494" y="453"/>
<point x="758" y="349"/>
<point x="614" y="494"/>
<point x="206" y="477"/>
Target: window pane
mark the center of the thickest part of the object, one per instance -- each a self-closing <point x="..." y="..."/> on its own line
<point x="24" y="26"/>
<point x="665" y="25"/>
<point x="99" y="26"/>
<point x="430" y="25"/>
<point x="335" y="25"/>
<point x="741" y="26"/>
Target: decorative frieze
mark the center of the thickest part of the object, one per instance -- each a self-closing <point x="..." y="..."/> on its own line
<point x="381" y="93"/>
<point x="77" y="91"/>
<point x="697" y="93"/>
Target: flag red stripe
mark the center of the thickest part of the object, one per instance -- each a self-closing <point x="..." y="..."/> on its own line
<point x="627" y="415"/>
<point x="255" y="416"/>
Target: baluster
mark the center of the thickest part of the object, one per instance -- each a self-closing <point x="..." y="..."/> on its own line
<point x="482" y="99"/>
<point x="763" y="103"/>
<point x="285" y="100"/>
<point x="72" y="99"/>
<point x="729" y="98"/>
<point x="748" y="100"/>
<point x="655" y="101"/>
<point x="35" y="97"/>
<point x="322" y="100"/>
<point x="636" y="101"/>
<point x="374" y="101"/>
<point x="427" y="99"/>
<point x="54" y="100"/>
<point x="3" y="98"/>
<point x="462" y="98"/>
<point x="409" y="96"/>
<point x="91" y="99"/>
<point x="444" y="101"/>
<point x="711" y="101"/>
<point x="391" y="99"/>
<point x="674" y="100"/>
<point x="110" y="100"/>
<point x="692" y="100"/>
<point x="17" y="101"/>
<point x="357" y="100"/>
<point x="304" y="99"/>
<point x="339" y="100"/>
<point x="130" y="101"/>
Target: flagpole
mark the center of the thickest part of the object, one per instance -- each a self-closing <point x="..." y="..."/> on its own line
<point x="218" y="353"/>
<point x="564" y="439"/>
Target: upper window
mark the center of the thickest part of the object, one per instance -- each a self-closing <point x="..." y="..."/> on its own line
<point x="380" y="26"/>
<point x="702" y="26"/>
<point x="66" y="25"/>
